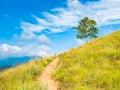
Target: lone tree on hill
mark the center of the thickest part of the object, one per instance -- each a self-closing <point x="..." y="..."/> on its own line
<point x="86" y="29"/>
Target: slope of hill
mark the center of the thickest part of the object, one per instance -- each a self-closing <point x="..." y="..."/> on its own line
<point x="94" y="66"/>
<point x="23" y="77"/>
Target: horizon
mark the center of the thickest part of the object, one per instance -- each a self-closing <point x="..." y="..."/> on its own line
<point x="42" y="28"/>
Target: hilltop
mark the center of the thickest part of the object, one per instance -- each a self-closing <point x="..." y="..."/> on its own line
<point x="94" y="66"/>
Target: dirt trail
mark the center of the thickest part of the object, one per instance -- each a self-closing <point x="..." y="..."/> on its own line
<point x="46" y="76"/>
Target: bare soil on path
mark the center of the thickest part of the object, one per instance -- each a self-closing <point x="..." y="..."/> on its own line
<point x="46" y="76"/>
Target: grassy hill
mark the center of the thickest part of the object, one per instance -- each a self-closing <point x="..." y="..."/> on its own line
<point x="94" y="66"/>
<point x="23" y="77"/>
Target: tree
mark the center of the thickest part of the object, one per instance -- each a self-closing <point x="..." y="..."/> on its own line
<point x="86" y="29"/>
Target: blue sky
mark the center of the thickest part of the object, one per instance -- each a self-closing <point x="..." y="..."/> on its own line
<point x="43" y="27"/>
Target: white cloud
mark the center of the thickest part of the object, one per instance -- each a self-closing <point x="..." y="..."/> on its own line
<point x="44" y="54"/>
<point x="45" y="51"/>
<point x="42" y="50"/>
<point x="4" y="47"/>
<point x="41" y="21"/>
<point x="30" y="29"/>
<point x="57" y="30"/>
<point x="8" y="51"/>
<point x="80" y="42"/>
<point x="43" y="39"/>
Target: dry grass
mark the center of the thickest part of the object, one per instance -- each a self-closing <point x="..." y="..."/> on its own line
<point x="23" y="77"/>
<point x="94" y="66"/>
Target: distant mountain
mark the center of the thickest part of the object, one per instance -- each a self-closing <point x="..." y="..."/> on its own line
<point x="4" y="67"/>
<point x="14" y="61"/>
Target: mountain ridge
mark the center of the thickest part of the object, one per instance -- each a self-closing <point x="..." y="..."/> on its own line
<point x="14" y="61"/>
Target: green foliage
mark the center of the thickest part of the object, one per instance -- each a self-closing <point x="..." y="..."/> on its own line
<point x="24" y="77"/>
<point x="94" y="66"/>
<point x="86" y="29"/>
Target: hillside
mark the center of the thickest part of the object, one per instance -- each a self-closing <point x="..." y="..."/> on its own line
<point x="24" y="77"/>
<point x="94" y="66"/>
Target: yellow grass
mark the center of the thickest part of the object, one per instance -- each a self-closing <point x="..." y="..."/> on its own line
<point x="23" y="77"/>
<point x="94" y="66"/>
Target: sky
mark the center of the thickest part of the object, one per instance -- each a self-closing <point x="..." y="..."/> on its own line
<point x="44" y="27"/>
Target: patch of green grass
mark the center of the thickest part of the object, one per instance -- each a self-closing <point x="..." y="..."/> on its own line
<point x="24" y="77"/>
<point x="94" y="66"/>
